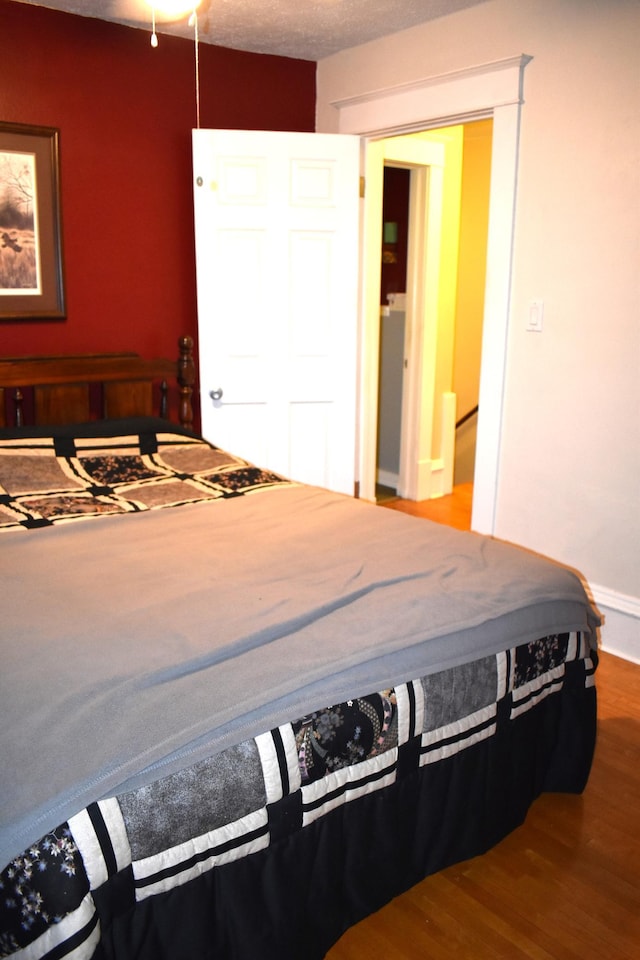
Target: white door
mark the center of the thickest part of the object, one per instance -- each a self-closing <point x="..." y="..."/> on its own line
<point x="276" y="227"/>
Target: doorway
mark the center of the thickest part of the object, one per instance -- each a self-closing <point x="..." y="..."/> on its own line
<point x="463" y="268"/>
<point x="493" y="90"/>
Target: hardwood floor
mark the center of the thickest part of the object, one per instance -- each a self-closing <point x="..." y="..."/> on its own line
<point x="453" y="510"/>
<point x="564" y="886"/>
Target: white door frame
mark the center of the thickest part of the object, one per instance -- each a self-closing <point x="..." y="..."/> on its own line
<point x="490" y="90"/>
<point x="425" y="160"/>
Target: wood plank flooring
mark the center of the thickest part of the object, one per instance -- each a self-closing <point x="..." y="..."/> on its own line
<point x="453" y="510"/>
<point x="564" y="886"/>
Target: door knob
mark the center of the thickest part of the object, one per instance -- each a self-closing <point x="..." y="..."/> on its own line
<point x="216" y="394"/>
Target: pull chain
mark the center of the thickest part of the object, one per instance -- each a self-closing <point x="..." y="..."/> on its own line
<point x="196" y="43"/>
<point x="193" y="21"/>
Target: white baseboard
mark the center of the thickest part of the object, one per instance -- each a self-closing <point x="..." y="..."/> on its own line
<point x="387" y="479"/>
<point x="620" y="632"/>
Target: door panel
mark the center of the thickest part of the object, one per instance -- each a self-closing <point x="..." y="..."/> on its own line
<point x="276" y="218"/>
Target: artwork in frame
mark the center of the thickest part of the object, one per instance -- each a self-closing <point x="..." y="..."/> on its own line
<point x="31" y="267"/>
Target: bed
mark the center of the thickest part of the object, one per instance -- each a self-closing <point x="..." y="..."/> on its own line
<point x="240" y="714"/>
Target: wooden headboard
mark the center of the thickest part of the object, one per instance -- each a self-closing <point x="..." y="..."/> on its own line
<point x="72" y="389"/>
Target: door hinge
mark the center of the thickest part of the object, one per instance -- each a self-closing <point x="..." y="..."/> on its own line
<point x="362" y="183"/>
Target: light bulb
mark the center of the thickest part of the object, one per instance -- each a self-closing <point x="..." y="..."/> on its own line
<point x="174" y="9"/>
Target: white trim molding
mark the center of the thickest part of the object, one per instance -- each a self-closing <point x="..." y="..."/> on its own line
<point x="620" y="631"/>
<point x="489" y="90"/>
<point x="467" y="92"/>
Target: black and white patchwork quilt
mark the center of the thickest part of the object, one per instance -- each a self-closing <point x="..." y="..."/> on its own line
<point x="155" y="661"/>
<point x="56" y="479"/>
<point x="146" y="842"/>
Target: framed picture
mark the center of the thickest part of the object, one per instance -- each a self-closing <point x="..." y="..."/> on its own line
<point x="31" y="268"/>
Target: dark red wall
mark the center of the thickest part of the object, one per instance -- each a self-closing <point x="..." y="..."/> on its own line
<point x="395" y="207"/>
<point x="125" y="113"/>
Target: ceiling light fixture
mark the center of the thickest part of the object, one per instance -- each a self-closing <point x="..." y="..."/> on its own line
<point x="171" y="10"/>
<point x="174" y="9"/>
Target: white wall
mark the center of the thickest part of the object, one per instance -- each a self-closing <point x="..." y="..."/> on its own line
<point x="569" y="477"/>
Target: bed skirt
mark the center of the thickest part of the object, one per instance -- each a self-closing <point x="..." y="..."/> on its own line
<point x="295" y="898"/>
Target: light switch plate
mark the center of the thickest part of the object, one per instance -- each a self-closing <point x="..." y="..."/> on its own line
<point x="536" y="316"/>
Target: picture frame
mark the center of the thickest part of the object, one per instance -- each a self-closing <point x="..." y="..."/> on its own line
<point x="31" y="261"/>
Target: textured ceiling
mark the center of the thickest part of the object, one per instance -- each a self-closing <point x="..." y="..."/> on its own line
<point x="304" y="29"/>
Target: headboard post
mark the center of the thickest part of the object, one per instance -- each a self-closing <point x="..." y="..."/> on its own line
<point x="186" y="379"/>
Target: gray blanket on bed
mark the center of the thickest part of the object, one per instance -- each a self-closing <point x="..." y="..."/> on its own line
<point x="133" y="645"/>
